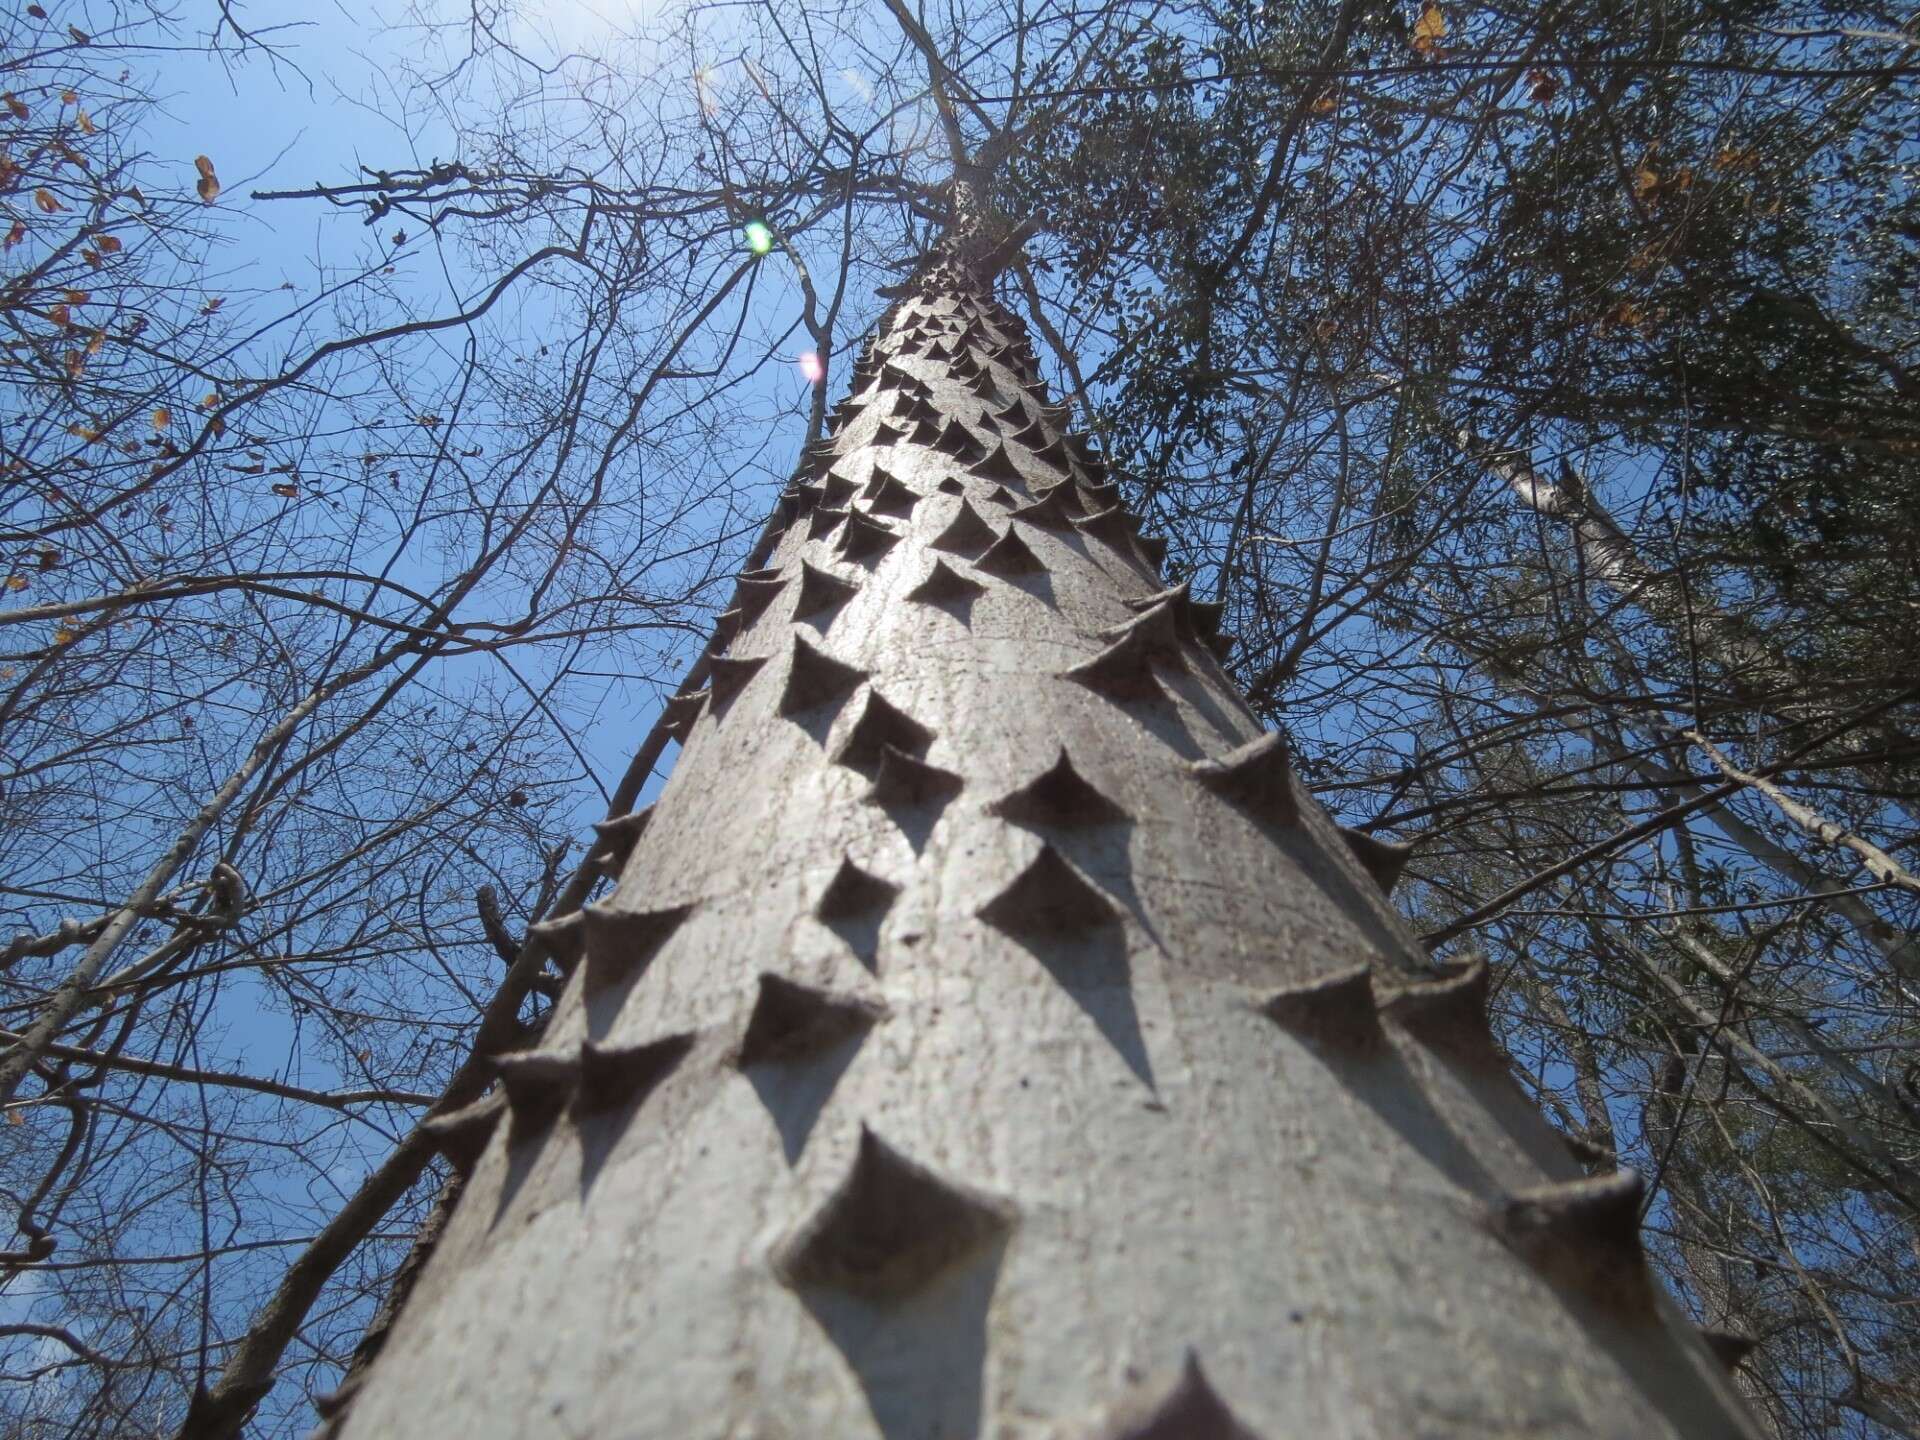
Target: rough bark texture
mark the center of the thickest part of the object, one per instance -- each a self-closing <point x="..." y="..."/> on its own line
<point x="987" y="1038"/>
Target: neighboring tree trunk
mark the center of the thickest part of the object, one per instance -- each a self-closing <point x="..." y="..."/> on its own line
<point x="987" y="1037"/>
<point x="1691" y="618"/>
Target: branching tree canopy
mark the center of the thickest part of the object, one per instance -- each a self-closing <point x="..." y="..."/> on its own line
<point x="1535" y="388"/>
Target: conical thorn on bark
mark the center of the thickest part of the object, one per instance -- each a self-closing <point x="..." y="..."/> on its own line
<point x="1337" y="1010"/>
<point x="1583" y="1234"/>
<point x="461" y="1135"/>
<point x="1055" y="509"/>
<point x="821" y="591"/>
<point x="865" y="539"/>
<point x="625" y="1075"/>
<point x="1059" y="798"/>
<point x="967" y="534"/>
<point x="1383" y="860"/>
<point x="1113" y="525"/>
<point x="890" y="1227"/>
<point x="537" y="1083"/>
<point x="755" y="594"/>
<point x="1257" y="777"/>
<point x="1448" y="1011"/>
<point x="614" y="841"/>
<point x="1730" y="1347"/>
<point x="997" y="464"/>
<point x="727" y="676"/>
<point x="816" y="679"/>
<point x="1124" y="670"/>
<point x="1008" y="556"/>
<point x="946" y="586"/>
<point x="1188" y="1409"/>
<point x="1049" y="899"/>
<point x="887" y="494"/>
<point x="880" y="725"/>
<point x="907" y="782"/>
<point x="622" y="943"/>
<point x="790" y="1021"/>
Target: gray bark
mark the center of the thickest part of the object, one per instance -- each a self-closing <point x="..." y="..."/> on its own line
<point x="987" y="1037"/>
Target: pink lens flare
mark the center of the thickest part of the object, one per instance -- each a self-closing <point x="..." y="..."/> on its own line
<point x="811" y="367"/>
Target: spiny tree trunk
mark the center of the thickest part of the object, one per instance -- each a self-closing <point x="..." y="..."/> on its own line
<point x="987" y="1037"/>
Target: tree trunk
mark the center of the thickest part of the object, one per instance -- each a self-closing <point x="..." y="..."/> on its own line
<point x="987" y="1037"/>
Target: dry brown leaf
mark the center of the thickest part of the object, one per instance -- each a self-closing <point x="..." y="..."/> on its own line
<point x="209" y="184"/>
<point x="1429" y="30"/>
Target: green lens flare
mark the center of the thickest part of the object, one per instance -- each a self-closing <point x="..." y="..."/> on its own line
<point x="759" y="237"/>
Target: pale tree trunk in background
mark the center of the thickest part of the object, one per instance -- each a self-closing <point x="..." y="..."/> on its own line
<point x="1607" y="555"/>
<point x="987" y="1038"/>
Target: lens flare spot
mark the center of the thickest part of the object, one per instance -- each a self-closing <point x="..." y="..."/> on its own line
<point x="759" y="237"/>
<point x="811" y="367"/>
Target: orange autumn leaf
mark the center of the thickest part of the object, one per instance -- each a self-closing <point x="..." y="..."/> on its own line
<point x="1646" y="181"/>
<point x="14" y="103"/>
<point x="68" y="97"/>
<point x="109" y="244"/>
<point x="287" y="492"/>
<point x="209" y="185"/>
<point x="65" y="636"/>
<point x="16" y="582"/>
<point x="213" y="399"/>
<point x="76" y="362"/>
<point x="96" y="341"/>
<point x="84" y="121"/>
<point x="60" y="315"/>
<point x="16" y="234"/>
<point x="162" y="418"/>
<point x="47" y="200"/>
<point x="213" y="304"/>
<point x="77" y="297"/>
<point x="1429" y="30"/>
